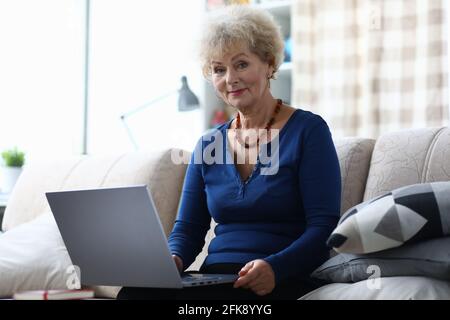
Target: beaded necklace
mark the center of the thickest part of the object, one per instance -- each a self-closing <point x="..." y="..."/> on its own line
<point x="267" y="128"/>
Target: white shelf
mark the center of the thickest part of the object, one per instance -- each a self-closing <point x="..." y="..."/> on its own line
<point x="277" y="7"/>
<point x="286" y="67"/>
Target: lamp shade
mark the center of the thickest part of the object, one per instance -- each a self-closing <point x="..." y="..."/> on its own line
<point x="187" y="100"/>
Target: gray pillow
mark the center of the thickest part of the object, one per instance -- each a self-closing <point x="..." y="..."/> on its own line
<point x="429" y="258"/>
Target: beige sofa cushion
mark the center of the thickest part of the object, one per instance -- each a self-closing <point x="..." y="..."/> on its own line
<point x="354" y="156"/>
<point x="165" y="180"/>
<point x="408" y="157"/>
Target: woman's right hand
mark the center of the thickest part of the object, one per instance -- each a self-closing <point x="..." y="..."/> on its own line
<point x="178" y="263"/>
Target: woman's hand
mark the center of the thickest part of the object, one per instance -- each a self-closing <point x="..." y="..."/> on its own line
<point x="178" y="262"/>
<point x="258" y="276"/>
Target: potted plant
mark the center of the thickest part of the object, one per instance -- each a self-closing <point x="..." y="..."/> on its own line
<point x="13" y="162"/>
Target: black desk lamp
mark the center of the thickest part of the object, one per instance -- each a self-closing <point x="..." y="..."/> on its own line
<point x="187" y="101"/>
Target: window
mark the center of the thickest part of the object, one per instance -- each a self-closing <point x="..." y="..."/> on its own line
<point x="139" y="50"/>
<point x="41" y="78"/>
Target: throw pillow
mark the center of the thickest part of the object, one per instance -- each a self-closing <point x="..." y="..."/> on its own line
<point x="429" y="258"/>
<point x="405" y="215"/>
<point x="33" y="257"/>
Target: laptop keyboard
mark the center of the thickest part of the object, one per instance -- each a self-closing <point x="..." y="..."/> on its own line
<point x="204" y="278"/>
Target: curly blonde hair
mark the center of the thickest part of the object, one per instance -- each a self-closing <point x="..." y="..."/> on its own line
<point x="241" y="25"/>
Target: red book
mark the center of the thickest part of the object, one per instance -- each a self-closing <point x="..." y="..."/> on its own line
<point x="54" y="295"/>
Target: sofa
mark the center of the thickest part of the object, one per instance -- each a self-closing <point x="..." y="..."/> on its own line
<point x="33" y="256"/>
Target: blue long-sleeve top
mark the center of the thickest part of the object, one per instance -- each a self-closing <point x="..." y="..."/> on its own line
<point x="283" y="218"/>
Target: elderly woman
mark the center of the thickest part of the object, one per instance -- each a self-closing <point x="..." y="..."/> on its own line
<point x="272" y="225"/>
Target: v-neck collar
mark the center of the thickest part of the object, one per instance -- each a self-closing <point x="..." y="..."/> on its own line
<point x="228" y="154"/>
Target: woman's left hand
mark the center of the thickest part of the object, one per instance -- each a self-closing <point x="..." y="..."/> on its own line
<point x="258" y="276"/>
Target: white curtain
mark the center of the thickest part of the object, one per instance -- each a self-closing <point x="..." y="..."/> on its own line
<point x="372" y="66"/>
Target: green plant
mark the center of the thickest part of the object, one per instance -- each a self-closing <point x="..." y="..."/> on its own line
<point x="13" y="157"/>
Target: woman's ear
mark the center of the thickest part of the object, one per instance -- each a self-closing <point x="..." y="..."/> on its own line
<point x="271" y="69"/>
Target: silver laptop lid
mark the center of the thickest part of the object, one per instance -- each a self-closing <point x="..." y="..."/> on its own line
<point x="115" y="237"/>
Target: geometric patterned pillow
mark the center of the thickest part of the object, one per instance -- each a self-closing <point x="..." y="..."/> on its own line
<point x="404" y="215"/>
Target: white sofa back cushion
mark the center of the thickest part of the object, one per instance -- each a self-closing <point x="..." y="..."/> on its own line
<point x="354" y="156"/>
<point x="156" y="169"/>
<point x="408" y="157"/>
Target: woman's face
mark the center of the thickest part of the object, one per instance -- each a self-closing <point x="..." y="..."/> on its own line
<point x="240" y="77"/>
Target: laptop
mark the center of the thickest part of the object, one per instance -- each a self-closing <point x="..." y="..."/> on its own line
<point x="115" y="237"/>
